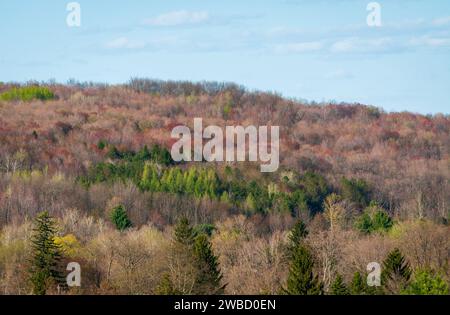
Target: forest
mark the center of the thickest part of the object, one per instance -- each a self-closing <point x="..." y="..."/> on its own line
<point x="86" y="176"/>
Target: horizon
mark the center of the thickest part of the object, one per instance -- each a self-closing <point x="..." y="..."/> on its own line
<point x="298" y="100"/>
<point x="320" y="51"/>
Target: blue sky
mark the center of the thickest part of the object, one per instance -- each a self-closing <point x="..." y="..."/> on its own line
<point x="312" y="49"/>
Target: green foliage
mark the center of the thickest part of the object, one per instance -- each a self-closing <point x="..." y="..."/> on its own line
<point x="358" y="285"/>
<point x="45" y="269"/>
<point x="102" y="144"/>
<point x="120" y="218"/>
<point x="209" y="277"/>
<point x="298" y="233"/>
<point x="198" y="246"/>
<point x="27" y="93"/>
<point x="165" y="286"/>
<point x="396" y="272"/>
<point x="426" y="283"/>
<point x="374" y="219"/>
<point x="205" y="228"/>
<point x="315" y="190"/>
<point x="184" y="233"/>
<point x="355" y="190"/>
<point x="301" y="279"/>
<point x="338" y="287"/>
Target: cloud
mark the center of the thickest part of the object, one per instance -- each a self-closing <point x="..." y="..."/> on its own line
<point x="430" y="41"/>
<point x="124" y="42"/>
<point x="441" y="21"/>
<point x="299" y="47"/>
<point x="177" y="18"/>
<point x="358" y="45"/>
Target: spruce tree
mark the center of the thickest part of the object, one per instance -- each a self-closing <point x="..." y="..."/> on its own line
<point x="184" y="233"/>
<point x="338" y="287"/>
<point x="298" y="233"/>
<point x="45" y="270"/>
<point x="209" y="277"/>
<point x="427" y="282"/>
<point x="120" y="218"/>
<point x="195" y="251"/>
<point x="396" y="272"/>
<point x="301" y="279"/>
<point x="165" y="287"/>
<point x="358" y="286"/>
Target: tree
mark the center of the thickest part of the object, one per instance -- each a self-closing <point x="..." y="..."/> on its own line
<point x="396" y="272"/>
<point x="338" y="287"/>
<point x="184" y="233"/>
<point x="120" y="218"/>
<point x="301" y="279"/>
<point x="356" y="190"/>
<point x="427" y="283"/>
<point x="374" y="219"/>
<point x="46" y="256"/>
<point x="357" y="286"/>
<point x="165" y="287"/>
<point x="333" y="210"/>
<point x="298" y="233"/>
<point x="198" y="269"/>
<point x="209" y="277"/>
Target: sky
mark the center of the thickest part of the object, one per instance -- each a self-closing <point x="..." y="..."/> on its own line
<point x="321" y="50"/>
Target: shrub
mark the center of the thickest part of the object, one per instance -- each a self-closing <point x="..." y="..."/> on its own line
<point x="426" y="283"/>
<point x="28" y="93"/>
<point x="120" y="218"/>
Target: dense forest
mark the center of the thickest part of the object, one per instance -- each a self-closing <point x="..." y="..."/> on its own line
<point x="86" y="176"/>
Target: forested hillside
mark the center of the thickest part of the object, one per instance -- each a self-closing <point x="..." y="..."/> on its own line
<point x="355" y="185"/>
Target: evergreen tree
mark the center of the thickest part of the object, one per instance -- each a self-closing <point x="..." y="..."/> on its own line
<point x="301" y="279"/>
<point x="338" y="287"/>
<point x="198" y="258"/>
<point x="358" y="286"/>
<point x="165" y="287"/>
<point x="184" y="233"/>
<point x="427" y="283"/>
<point x="209" y="276"/>
<point x="396" y="272"/>
<point x="298" y="233"/>
<point x="120" y="218"/>
<point x="46" y="256"/>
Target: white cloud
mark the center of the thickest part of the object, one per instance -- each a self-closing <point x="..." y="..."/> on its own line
<point x="299" y="47"/>
<point x="178" y="18"/>
<point x="441" y="21"/>
<point x="358" y="45"/>
<point x="124" y="42"/>
<point x="430" y="41"/>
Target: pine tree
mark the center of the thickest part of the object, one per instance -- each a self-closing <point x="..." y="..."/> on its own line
<point x="396" y="272"/>
<point x="120" y="218"/>
<point x="46" y="256"/>
<point x="358" y="286"/>
<point x="198" y="258"/>
<point x="209" y="276"/>
<point x="338" y="287"/>
<point x="184" y="233"/>
<point x="301" y="279"/>
<point x="165" y="287"/>
<point x="298" y="233"/>
<point x="427" y="283"/>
